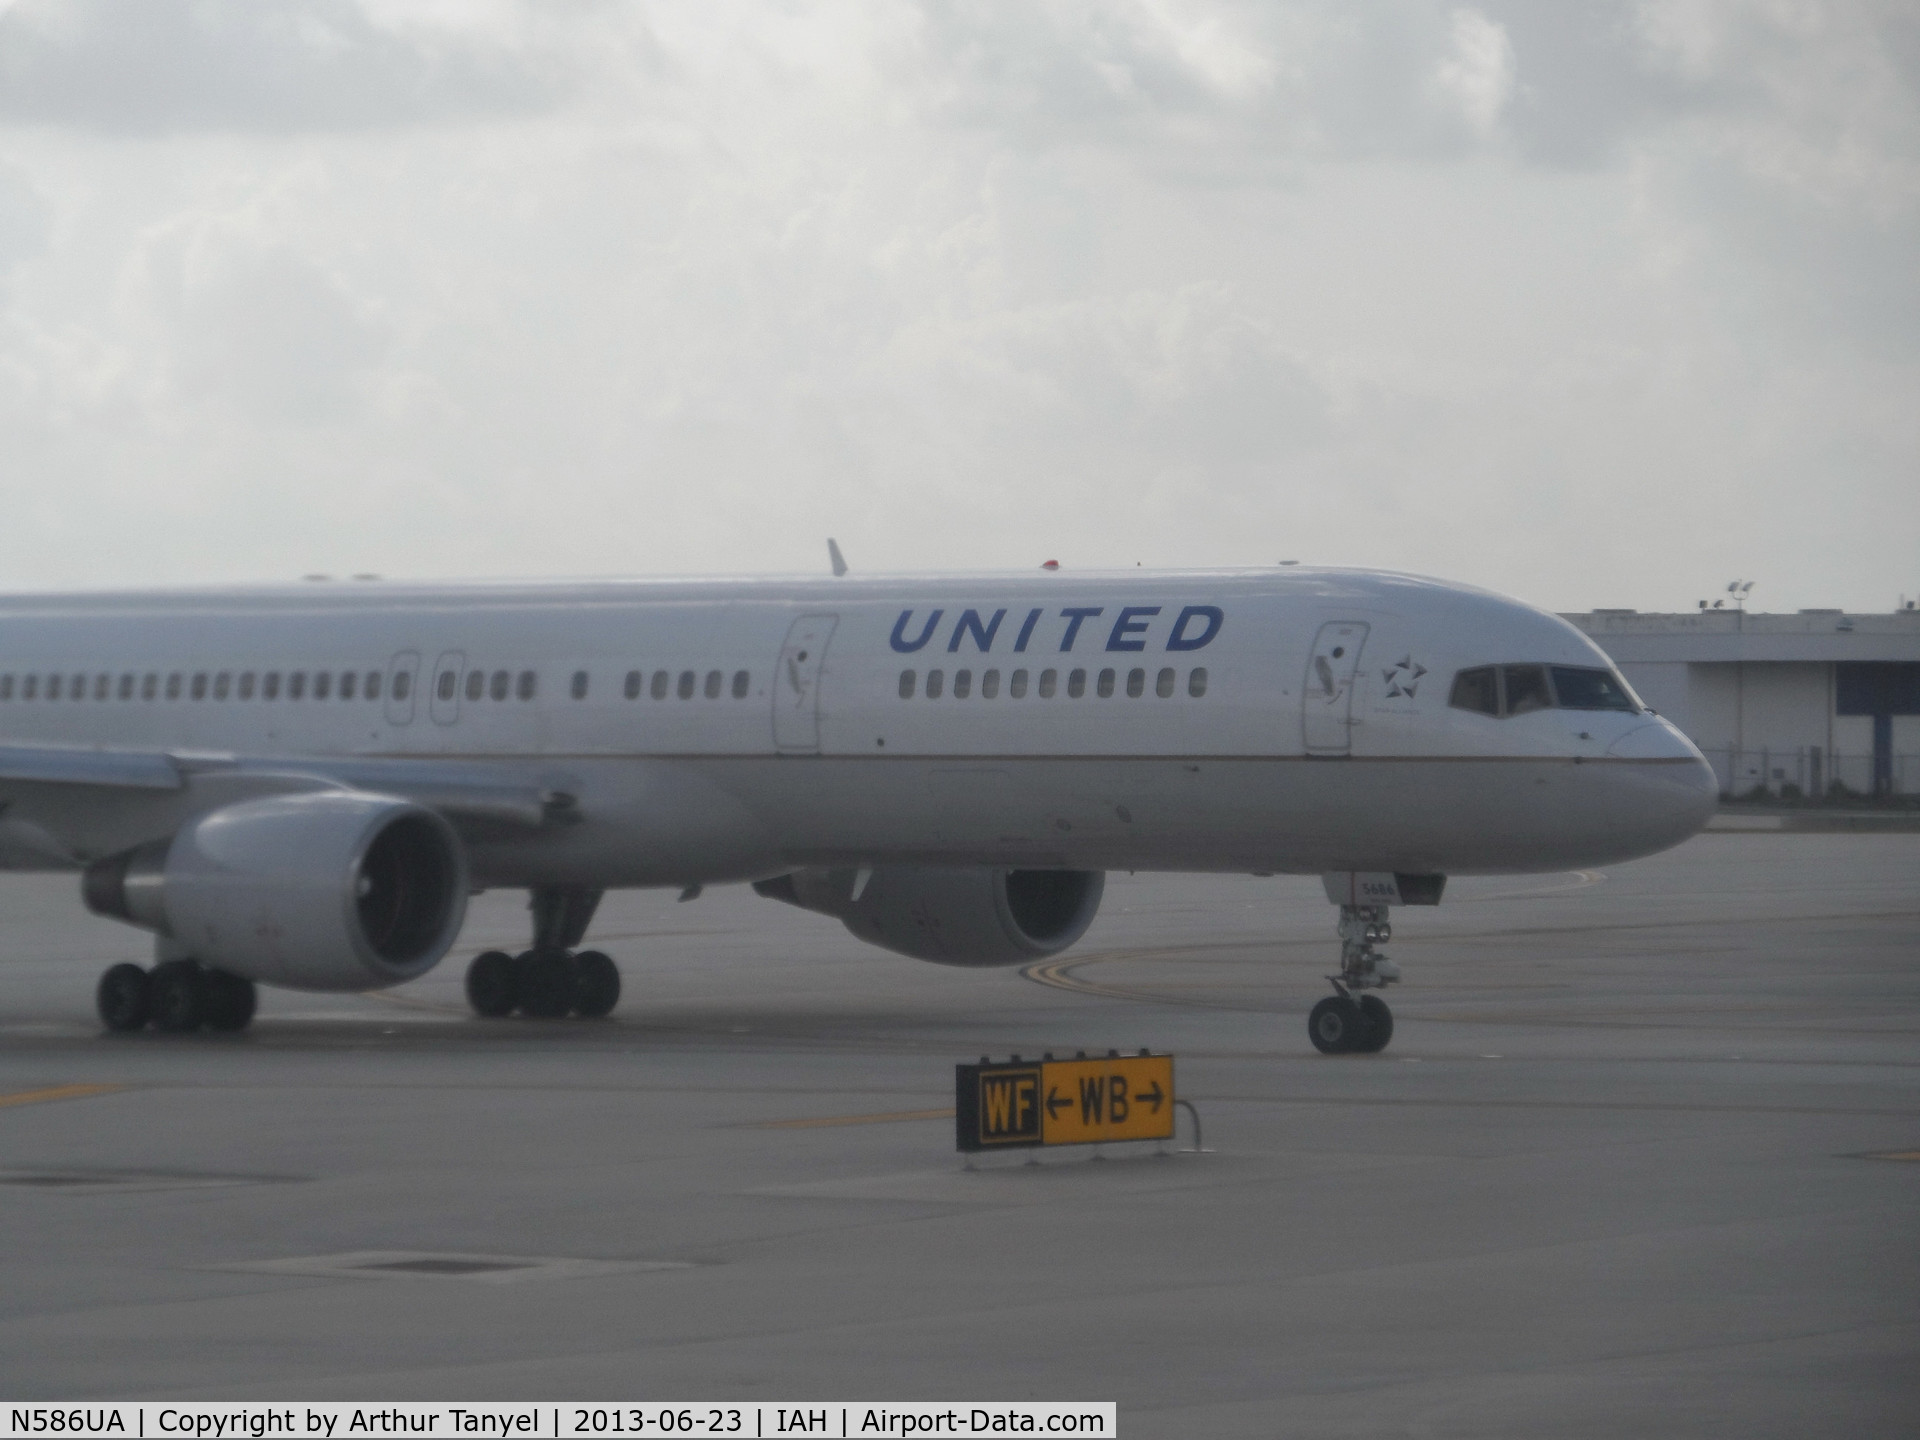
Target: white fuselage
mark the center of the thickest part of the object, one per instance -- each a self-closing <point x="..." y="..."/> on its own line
<point x="734" y="729"/>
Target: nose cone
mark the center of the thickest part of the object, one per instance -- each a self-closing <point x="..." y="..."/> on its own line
<point x="1676" y="791"/>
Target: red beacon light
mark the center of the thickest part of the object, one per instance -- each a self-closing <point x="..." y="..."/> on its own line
<point x="1049" y="564"/>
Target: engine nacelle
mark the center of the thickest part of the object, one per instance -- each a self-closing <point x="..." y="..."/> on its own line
<point x="952" y="917"/>
<point x="327" y="890"/>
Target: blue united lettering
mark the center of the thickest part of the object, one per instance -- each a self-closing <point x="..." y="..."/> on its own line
<point x="1132" y="628"/>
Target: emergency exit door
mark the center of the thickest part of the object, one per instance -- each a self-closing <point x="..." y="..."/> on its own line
<point x="796" y="684"/>
<point x="1327" y="695"/>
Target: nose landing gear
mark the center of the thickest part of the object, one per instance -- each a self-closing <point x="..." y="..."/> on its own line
<point x="551" y="980"/>
<point x="1346" y="1023"/>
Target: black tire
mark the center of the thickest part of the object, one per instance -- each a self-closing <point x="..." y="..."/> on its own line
<point x="227" y="1001"/>
<point x="179" y="997"/>
<point x="124" y="999"/>
<point x="492" y="987"/>
<point x="596" y="985"/>
<point x="545" y="982"/>
<point x="1377" y="1023"/>
<point x="1334" y="1025"/>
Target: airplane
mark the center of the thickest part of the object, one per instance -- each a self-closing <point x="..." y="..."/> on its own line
<point x="300" y="785"/>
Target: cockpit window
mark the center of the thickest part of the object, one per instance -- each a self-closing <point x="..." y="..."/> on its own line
<point x="1526" y="687"/>
<point x="1477" y="690"/>
<point x="1582" y="689"/>
<point x="1516" y="689"/>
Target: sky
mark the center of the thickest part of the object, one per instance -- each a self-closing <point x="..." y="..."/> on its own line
<point x="1594" y="304"/>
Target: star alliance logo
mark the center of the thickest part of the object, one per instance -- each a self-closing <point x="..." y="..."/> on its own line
<point x="1403" y="678"/>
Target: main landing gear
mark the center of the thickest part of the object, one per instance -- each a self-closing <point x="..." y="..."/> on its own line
<point x="552" y="979"/>
<point x="1346" y="1023"/>
<point x="176" y="996"/>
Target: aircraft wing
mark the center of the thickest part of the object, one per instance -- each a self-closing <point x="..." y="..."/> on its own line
<point x="463" y="792"/>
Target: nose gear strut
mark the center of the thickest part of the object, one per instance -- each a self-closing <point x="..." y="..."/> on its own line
<point x="1342" y="1024"/>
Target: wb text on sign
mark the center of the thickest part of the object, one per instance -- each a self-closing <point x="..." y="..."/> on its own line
<point x="1064" y="1102"/>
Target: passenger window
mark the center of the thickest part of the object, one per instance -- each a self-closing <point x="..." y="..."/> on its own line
<point x="1476" y="690"/>
<point x="149" y="686"/>
<point x="371" y="690"/>
<point x="962" y="684"/>
<point x="685" y="688"/>
<point x="126" y="687"/>
<point x="200" y="686"/>
<point x="1197" y="681"/>
<point x="661" y="679"/>
<point x="173" y="686"/>
<point x="27" y="689"/>
<point x="1579" y="688"/>
<point x="714" y="681"/>
<point x="579" y="684"/>
<point x="1076" y="684"/>
<point x="502" y="685"/>
<point x="528" y="685"/>
<point x="347" y="679"/>
<point x="296" y="684"/>
<point x="222" y="685"/>
<point x="322" y="684"/>
<point x="6" y="687"/>
<point x="102" y="687"/>
<point x="742" y="682"/>
<point x="270" y="685"/>
<point x="476" y="684"/>
<point x="1049" y="683"/>
<point x="1136" y="684"/>
<point x="53" y="687"/>
<point x="906" y="684"/>
<point x="77" y="690"/>
<point x="1163" y="684"/>
<point x="1104" y="685"/>
<point x="936" y="682"/>
<point x="1017" y="685"/>
<point x="633" y="686"/>
<point x="445" y="685"/>
<point x="1526" y="687"/>
<point x="989" y="684"/>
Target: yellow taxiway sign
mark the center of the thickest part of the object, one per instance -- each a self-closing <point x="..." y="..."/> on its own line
<point x="1063" y="1102"/>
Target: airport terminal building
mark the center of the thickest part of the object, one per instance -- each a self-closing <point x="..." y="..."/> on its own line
<point x="1790" y="705"/>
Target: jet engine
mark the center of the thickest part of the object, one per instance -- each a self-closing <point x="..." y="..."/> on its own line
<point x="951" y="916"/>
<point x="328" y="890"/>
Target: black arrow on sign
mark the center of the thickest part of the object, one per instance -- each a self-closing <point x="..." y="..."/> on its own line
<point x="1152" y="1097"/>
<point x="1054" y="1103"/>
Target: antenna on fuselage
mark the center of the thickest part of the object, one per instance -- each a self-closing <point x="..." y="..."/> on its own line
<point x="833" y="554"/>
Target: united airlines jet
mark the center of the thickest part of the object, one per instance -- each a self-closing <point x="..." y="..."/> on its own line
<point x="301" y="786"/>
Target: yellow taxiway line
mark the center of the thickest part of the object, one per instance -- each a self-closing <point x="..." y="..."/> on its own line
<point x="888" y="1118"/>
<point x="56" y="1092"/>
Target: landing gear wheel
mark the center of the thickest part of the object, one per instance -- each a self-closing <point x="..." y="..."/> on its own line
<point x="546" y="983"/>
<point x="179" y="997"/>
<point x="1334" y="1025"/>
<point x="124" y="998"/>
<point x="1376" y="1024"/>
<point x="227" y="1001"/>
<point x="596" y="985"/>
<point x="491" y="987"/>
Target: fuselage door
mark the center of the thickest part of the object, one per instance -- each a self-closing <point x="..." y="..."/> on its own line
<point x="1327" y="695"/>
<point x="402" y="671"/>
<point x="796" y="684"/>
<point x="444" y="703"/>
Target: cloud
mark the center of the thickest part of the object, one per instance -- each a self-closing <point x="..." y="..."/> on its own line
<point x="1576" y="301"/>
<point x="273" y="66"/>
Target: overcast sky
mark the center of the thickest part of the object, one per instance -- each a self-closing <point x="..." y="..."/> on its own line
<point x="1597" y="304"/>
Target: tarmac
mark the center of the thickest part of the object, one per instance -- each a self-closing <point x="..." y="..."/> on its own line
<point x="1642" y="1158"/>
